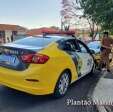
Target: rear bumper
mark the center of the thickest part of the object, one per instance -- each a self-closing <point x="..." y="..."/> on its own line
<point x="26" y="89"/>
<point x="17" y="80"/>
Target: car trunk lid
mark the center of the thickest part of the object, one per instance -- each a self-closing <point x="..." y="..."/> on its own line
<point x="10" y="55"/>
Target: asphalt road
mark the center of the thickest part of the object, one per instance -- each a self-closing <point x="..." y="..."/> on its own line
<point x="14" y="101"/>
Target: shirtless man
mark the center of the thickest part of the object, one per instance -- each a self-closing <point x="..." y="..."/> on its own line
<point x="106" y="46"/>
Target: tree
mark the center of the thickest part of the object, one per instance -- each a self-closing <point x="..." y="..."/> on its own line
<point x="99" y="11"/>
<point x="68" y="13"/>
<point x="73" y="11"/>
<point x="65" y="16"/>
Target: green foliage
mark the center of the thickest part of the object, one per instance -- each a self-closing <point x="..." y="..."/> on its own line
<point x="99" y="11"/>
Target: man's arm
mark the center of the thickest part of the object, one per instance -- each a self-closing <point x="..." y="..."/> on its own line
<point x="107" y="47"/>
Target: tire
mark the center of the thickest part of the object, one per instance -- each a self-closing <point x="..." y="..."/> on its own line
<point x="62" y="85"/>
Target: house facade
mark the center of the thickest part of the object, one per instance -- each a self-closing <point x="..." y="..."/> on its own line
<point x="40" y="31"/>
<point x="8" y="33"/>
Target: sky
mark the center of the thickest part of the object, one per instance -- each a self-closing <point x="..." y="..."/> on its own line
<point x="30" y="13"/>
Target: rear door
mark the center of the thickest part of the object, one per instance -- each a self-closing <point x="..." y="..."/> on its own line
<point x="80" y="55"/>
<point x="72" y="48"/>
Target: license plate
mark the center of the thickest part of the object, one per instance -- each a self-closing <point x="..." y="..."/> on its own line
<point x="7" y="59"/>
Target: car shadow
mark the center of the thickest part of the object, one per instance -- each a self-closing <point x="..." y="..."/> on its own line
<point x="16" y="99"/>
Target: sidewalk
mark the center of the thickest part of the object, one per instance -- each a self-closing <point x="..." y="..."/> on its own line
<point x="103" y="93"/>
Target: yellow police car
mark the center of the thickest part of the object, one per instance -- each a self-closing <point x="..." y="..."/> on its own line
<point x="44" y="64"/>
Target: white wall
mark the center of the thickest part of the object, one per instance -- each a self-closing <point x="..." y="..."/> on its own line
<point x="8" y="35"/>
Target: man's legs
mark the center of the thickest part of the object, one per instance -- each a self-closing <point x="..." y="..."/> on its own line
<point x="102" y="60"/>
<point x="107" y="63"/>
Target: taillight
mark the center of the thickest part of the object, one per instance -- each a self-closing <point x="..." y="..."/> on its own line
<point x="35" y="58"/>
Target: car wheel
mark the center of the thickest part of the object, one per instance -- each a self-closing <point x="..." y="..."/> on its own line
<point x="62" y="85"/>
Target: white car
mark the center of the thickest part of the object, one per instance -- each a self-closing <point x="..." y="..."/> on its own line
<point x="95" y="47"/>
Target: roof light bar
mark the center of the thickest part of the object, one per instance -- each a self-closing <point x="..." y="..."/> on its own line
<point x="69" y="33"/>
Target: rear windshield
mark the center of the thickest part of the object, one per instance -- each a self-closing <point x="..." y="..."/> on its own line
<point x="35" y="41"/>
